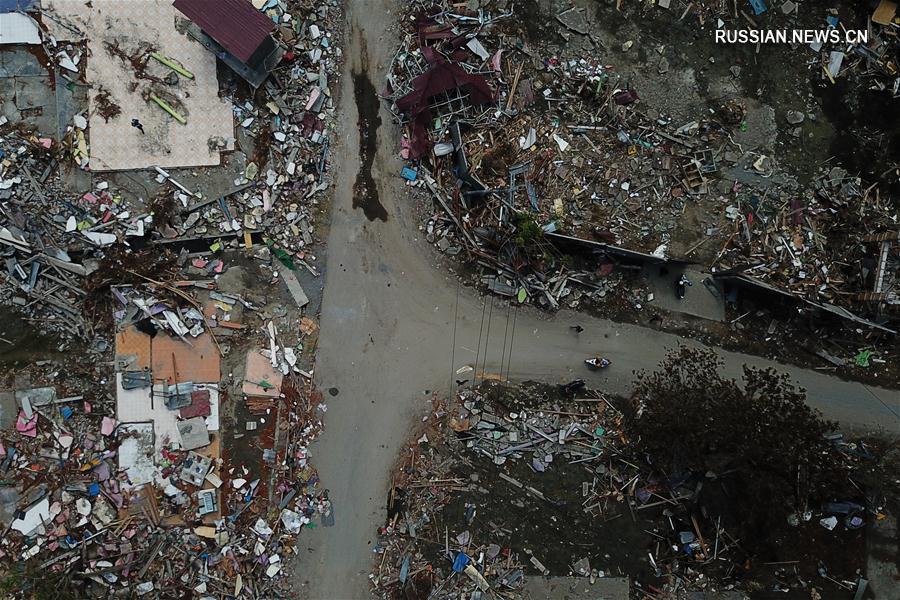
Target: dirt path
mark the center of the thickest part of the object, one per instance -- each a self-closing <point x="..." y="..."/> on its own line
<point x="387" y="331"/>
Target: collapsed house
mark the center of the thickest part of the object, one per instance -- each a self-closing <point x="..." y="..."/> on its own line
<point x="535" y="156"/>
<point x="237" y="33"/>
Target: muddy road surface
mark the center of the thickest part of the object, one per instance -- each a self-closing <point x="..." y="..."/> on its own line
<point x="388" y="335"/>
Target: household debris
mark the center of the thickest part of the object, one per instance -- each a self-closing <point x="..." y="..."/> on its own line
<point x="55" y="238"/>
<point x="536" y="154"/>
<point x="133" y="486"/>
<point x="505" y="484"/>
<point x="194" y="523"/>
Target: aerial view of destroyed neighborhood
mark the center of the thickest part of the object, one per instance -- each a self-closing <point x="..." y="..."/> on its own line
<point x="450" y="299"/>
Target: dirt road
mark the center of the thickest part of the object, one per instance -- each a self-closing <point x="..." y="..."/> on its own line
<point x="387" y="331"/>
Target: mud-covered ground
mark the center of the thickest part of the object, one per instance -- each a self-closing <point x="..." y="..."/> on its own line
<point x="21" y="340"/>
<point x="74" y="367"/>
<point x="850" y="122"/>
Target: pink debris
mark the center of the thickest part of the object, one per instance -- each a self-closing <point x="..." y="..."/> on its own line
<point x="495" y="61"/>
<point x="108" y="426"/>
<point x="27" y="426"/>
<point x="102" y="471"/>
<point x="313" y="96"/>
<point x="199" y="406"/>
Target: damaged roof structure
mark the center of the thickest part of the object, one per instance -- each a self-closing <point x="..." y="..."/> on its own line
<point x="236" y="33"/>
<point x="884" y="278"/>
<point x="12" y="6"/>
<point x="18" y="28"/>
<point x="431" y="94"/>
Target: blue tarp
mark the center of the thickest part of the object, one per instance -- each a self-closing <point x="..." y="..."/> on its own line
<point x="404" y="569"/>
<point x="759" y="7"/>
<point x="7" y="6"/>
<point x="461" y="561"/>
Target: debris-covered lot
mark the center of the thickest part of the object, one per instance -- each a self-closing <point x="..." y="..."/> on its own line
<point x="505" y="484"/>
<point x="162" y="187"/>
<point x="559" y="144"/>
<point x="167" y="175"/>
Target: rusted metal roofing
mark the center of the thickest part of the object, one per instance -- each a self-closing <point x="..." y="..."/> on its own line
<point x="235" y="24"/>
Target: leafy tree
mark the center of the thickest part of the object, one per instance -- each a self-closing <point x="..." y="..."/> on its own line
<point x="527" y="230"/>
<point x="758" y="438"/>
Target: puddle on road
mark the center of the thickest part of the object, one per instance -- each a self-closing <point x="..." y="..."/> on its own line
<point x="365" y="192"/>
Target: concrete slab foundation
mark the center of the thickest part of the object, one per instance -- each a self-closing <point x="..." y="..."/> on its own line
<point x="120" y="37"/>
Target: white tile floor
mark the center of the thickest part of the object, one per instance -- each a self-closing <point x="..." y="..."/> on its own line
<point x="117" y="145"/>
<point x="134" y="406"/>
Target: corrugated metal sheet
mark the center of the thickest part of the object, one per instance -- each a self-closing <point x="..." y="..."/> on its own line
<point x="441" y="77"/>
<point x="235" y="24"/>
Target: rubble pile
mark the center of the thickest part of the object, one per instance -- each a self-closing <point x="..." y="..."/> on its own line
<point x="135" y="488"/>
<point x="822" y="249"/>
<point x="101" y="501"/>
<point x="426" y="481"/>
<point x="193" y="527"/>
<point x="499" y="487"/>
<point x="578" y="438"/>
<point x="531" y="149"/>
<point x="51" y="238"/>
<point x="179" y="315"/>
<point x="147" y="495"/>
<point x="872" y="63"/>
<point x="280" y="190"/>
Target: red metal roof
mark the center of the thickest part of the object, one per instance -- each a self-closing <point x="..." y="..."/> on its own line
<point x="441" y="77"/>
<point x="235" y="24"/>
